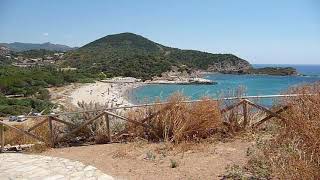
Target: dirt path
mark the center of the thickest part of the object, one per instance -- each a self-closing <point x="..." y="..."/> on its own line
<point x="154" y="161"/>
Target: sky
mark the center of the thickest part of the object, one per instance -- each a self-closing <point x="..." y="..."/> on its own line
<point x="262" y="32"/>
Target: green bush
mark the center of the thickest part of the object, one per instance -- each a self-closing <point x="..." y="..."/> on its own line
<point x="22" y="106"/>
<point x="43" y="94"/>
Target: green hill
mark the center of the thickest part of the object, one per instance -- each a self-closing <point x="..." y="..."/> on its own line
<point x="128" y="54"/>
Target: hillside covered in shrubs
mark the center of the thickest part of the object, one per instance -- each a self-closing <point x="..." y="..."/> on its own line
<point x="128" y="54"/>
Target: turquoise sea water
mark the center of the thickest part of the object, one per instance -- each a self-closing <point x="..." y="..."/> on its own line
<point x="254" y="84"/>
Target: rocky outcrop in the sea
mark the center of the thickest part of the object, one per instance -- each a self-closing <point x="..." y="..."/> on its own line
<point x="276" y="71"/>
<point x="279" y="71"/>
<point x="230" y="66"/>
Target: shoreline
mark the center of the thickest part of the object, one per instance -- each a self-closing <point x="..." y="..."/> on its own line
<point x="112" y="93"/>
<point x="117" y="92"/>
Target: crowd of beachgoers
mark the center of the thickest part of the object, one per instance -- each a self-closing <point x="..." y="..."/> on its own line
<point x="105" y="93"/>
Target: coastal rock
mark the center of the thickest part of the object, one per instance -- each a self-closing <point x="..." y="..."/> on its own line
<point x="278" y="71"/>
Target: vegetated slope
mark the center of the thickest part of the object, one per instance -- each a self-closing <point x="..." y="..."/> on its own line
<point x="32" y="83"/>
<point x="18" y="46"/>
<point x="129" y="54"/>
<point x="283" y="71"/>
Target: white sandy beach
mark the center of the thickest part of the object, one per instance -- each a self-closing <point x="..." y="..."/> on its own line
<point x="112" y="94"/>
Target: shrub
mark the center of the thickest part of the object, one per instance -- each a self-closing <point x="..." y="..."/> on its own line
<point x="13" y="106"/>
<point x="294" y="152"/>
<point x="43" y="94"/>
<point x="96" y="131"/>
<point x="177" y="121"/>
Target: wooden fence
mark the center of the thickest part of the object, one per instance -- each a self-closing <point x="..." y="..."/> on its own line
<point x="106" y="113"/>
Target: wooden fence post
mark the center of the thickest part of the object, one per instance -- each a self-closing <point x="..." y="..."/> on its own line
<point x="269" y="117"/>
<point x="52" y="141"/>
<point x="2" y="137"/>
<point x="106" y="118"/>
<point x="245" y="113"/>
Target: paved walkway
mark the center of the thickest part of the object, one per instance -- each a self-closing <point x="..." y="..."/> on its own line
<point x="23" y="166"/>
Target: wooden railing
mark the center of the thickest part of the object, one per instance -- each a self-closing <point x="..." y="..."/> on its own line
<point x="106" y="114"/>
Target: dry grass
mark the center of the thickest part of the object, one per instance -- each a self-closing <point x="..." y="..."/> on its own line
<point x="173" y="122"/>
<point x="95" y="131"/>
<point x="177" y="121"/>
<point x="293" y="150"/>
<point x="234" y="118"/>
<point x="13" y="137"/>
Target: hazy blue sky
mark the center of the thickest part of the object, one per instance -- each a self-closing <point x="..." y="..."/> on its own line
<point x="270" y="31"/>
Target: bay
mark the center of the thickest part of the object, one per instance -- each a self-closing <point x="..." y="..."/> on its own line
<point x="254" y="85"/>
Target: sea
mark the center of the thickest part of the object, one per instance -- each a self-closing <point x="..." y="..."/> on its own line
<point x="228" y="84"/>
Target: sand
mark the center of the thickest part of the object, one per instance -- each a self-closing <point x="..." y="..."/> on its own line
<point x="112" y="94"/>
<point x="133" y="160"/>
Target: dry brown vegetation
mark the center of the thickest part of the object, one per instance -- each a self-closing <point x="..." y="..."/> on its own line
<point x="234" y="117"/>
<point x="293" y="149"/>
<point x="97" y="130"/>
<point x="177" y="121"/>
<point x="13" y="137"/>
